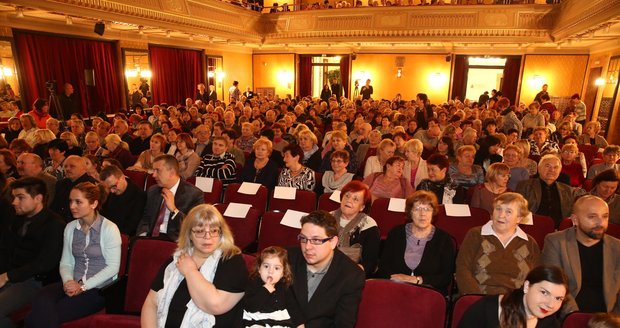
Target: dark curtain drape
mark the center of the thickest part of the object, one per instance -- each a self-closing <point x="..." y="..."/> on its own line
<point x="176" y="73"/>
<point x="510" y="83"/>
<point x="459" y="77"/>
<point x="46" y="57"/>
<point x="344" y="74"/>
<point x="305" y="76"/>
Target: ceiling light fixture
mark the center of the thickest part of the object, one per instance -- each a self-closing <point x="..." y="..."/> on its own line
<point x="69" y="20"/>
<point x="141" y="30"/>
<point x="20" y="12"/>
<point x="168" y="33"/>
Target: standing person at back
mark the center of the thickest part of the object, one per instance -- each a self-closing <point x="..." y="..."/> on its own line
<point x="233" y="92"/>
<point x="327" y="285"/>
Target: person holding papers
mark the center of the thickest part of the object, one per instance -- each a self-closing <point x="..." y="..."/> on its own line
<point x="418" y="252"/>
<point x="496" y="257"/>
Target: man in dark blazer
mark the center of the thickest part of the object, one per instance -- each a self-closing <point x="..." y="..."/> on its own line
<point x="125" y="203"/>
<point x="30" y="246"/>
<point x="589" y="257"/>
<point x="75" y="172"/>
<point x="168" y="201"/>
<point x="556" y="200"/>
<point x="328" y="285"/>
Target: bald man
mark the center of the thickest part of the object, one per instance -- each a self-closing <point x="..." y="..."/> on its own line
<point x="589" y="257"/>
<point x="31" y="165"/>
<point x="75" y="172"/>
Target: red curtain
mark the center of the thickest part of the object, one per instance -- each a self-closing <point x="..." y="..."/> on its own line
<point x="305" y="76"/>
<point x="176" y="73"/>
<point x="510" y="83"/>
<point x="344" y="74"/>
<point x="459" y="77"/>
<point x="47" y="57"/>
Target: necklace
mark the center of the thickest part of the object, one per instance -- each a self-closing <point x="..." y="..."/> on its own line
<point x="296" y="172"/>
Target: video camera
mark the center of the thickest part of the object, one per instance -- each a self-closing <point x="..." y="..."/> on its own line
<point x="51" y="85"/>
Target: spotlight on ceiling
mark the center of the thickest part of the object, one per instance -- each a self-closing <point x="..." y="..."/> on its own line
<point x="100" y="28"/>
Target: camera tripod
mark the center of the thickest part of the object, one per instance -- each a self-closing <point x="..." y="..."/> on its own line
<point x="54" y="106"/>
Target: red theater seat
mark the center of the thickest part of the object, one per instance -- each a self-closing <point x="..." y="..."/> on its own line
<point x="272" y="233"/>
<point x="386" y="220"/>
<point x="457" y="227"/>
<point x="460" y="307"/>
<point x="244" y="230"/>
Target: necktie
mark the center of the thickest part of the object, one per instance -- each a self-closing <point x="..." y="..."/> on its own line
<point x="160" y="219"/>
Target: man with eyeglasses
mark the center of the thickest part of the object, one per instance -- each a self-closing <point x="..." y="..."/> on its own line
<point x="168" y="201"/>
<point x="126" y="201"/>
<point x="328" y="285"/>
<point x="31" y="165"/>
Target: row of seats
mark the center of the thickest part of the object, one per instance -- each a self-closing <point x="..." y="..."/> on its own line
<point x="384" y="302"/>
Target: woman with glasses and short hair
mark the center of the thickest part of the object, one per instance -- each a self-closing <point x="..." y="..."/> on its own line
<point x="203" y="282"/>
<point x="418" y="252"/>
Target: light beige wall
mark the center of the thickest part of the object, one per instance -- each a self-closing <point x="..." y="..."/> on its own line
<point x="275" y="70"/>
<point x="565" y="75"/>
<point x="427" y="73"/>
<point x="238" y="67"/>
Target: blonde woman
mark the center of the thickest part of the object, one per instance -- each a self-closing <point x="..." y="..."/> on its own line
<point x="72" y="142"/>
<point x="525" y="161"/>
<point x="375" y="164"/>
<point x="118" y="150"/>
<point x="591" y="136"/>
<point x="308" y="142"/>
<point x="203" y="282"/>
<point x="29" y="126"/>
<point x="415" y="167"/>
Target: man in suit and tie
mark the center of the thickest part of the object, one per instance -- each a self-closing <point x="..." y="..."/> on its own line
<point x="328" y="285"/>
<point x="168" y="201"/>
<point x="589" y="258"/>
<point x="30" y="246"/>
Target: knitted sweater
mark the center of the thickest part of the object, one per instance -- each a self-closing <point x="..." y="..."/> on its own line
<point x="484" y="266"/>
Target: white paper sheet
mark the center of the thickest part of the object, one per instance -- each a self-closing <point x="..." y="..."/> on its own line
<point x="335" y="196"/>
<point x="461" y="210"/>
<point x="237" y="210"/>
<point x="292" y="219"/>
<point x="284" y="193"/>
<point x="249" y="188"/>
<point x="397" y="205"/>
<point x="204" y="184"/>
<point x="528" y="219"/>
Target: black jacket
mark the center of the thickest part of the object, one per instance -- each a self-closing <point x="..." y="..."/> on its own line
<point x="60" y="204"/>
<point x="125" y="210"/>
<point x="36" y="254"/>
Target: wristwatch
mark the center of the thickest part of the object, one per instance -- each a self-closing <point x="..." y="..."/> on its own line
<point x="417" y="280"/>
<point x="82" y="286"/>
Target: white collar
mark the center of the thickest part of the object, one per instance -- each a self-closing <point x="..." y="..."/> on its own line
<point x="487" y="230"/>
<point x="174" y="188"/>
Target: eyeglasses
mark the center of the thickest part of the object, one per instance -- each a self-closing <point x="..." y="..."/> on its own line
<point x="304" y="240"/>
<point x="210" y="233"/>
<point x="422" y="209"/>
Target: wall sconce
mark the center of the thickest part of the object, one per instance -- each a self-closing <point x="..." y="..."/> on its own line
<point x="146" y="74"/>
<point x="399" y="72"/>
<point x="220" y="75"/>
<point x="210" y="74"/>
<point x="537" y="81"/>
<point x="6" y="72"/>
<point x="437" y="79"/>
<point x="131" y="73"/>
<point x="600" y="81"/>
<point x="285" y="78"/>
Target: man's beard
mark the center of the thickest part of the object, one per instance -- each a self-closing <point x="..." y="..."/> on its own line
<point x="594" y="235"/>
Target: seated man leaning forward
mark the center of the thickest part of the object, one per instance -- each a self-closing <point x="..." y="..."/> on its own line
<point x="589" y="257"/>
<point x="328" y="285"/>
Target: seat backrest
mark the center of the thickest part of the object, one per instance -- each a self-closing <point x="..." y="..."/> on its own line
<point x="613" y="230"/>
<point x="543" y="225"/>
<point x="461" y="305"/>
<point x="576" y="320"/>
<point x="213" y="197"/>
<point x="244" y="230"/>
<point x="386" y="220"/>
<point x="258" y="201"/>
<point x="147" y="257"/>
<point x="565" y="224"/>
<point x="457" y="227"/>
<point x="150" y="181"/>
<point x="249" y="261"/>
<point x="272" y="233"/>
<point x="387" y="303"/>
<point x="327" y="204"/>
<point x="305" y="201"/>
<point x="137" y="177"/>
<point x="589" y="152"/>
<point x="124" y="253"/>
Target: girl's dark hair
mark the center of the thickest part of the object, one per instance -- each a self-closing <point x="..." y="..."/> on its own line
<point x="448" y="141"/>
<point x="513" y="310"/>
<point x="280" y="253"/>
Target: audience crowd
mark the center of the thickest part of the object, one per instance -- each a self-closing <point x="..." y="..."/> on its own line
<point x="67" y="193"/>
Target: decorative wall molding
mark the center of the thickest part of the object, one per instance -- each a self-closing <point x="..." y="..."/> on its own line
<point x="575" y="16"/>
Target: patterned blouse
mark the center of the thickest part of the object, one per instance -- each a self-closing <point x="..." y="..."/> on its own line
<point x="303" y="181"/>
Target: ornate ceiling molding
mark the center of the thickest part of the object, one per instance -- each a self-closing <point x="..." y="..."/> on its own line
<point x="576" y="16"/>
